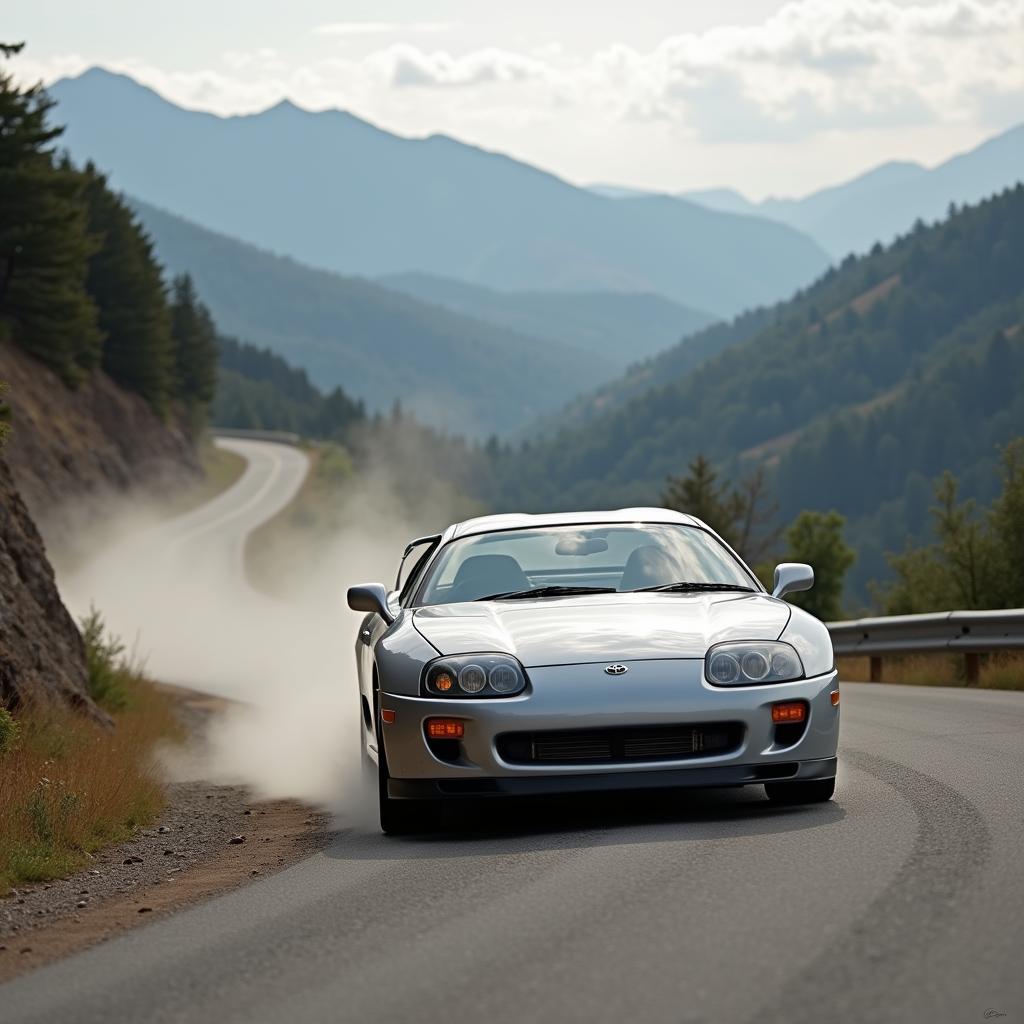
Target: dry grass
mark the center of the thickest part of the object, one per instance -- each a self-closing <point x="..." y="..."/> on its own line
<point x="68" y="785"/>
<point x="1000" y="671"/>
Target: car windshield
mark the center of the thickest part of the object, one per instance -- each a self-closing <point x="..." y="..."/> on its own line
<point x="631" y="556"/>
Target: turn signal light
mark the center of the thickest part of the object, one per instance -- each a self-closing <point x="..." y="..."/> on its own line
<point x="387" y="716"/>
<point x="446" y="728"/>
<point x="790" y="711"/>
<point x="835" y="698"/>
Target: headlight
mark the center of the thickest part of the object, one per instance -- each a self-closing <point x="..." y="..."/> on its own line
<point x="751" y="663"/>
<point x="473" y="675"/>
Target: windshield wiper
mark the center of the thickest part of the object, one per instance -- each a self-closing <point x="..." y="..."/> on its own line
<point x="686" y="586"/>
<point x="516" y="595"/>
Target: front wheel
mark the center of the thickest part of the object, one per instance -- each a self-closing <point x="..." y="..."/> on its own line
<point x="813" y="791"/>
<point x="401" y="817"/>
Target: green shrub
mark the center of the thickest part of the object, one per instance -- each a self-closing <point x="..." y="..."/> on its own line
<point x="110" y="677"/>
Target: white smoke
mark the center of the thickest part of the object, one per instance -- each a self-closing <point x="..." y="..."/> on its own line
<point x="177" y="591"/>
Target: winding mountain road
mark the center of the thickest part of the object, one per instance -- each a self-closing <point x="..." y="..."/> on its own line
<point x="901" y="901"/>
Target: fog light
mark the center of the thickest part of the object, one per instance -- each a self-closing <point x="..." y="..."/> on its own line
<point x="445" y="728"/>
<point x="790" y="711"/>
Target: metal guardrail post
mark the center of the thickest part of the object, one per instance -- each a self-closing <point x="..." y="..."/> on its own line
<point x="972" y="668"/>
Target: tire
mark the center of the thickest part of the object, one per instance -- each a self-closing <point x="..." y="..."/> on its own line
<point x="400" y="817"/>
<point x="789" y="794"/>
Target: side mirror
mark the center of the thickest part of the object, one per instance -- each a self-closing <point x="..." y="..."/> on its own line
<point x="370" y="597"/>
<point x="792" y="576"/>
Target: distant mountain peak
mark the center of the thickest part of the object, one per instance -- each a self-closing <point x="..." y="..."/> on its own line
<point x="286" y="106"/>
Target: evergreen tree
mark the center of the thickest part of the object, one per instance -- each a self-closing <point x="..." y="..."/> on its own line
<point x="817" y="539"/>
<point x="742" y="516"/>
<point x="700" y="494"/>
<point x="44" y="242"/>
<point x="195" y="346"/>
<point x="1007" y="523"/>
<point x="126" y="283"/>
<point x="976" y="560"/>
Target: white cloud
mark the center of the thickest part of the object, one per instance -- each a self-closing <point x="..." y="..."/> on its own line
<point x="407" y="66"/>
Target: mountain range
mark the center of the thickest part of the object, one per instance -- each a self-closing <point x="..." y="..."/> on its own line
<point x="338" y="193"/>
<point x="880" y="204"/>
<point x="457" y="373"/>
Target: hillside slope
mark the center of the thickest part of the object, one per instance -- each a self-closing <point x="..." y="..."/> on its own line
<point x="882" y="374"/>
<point x="69" y="451"/>
<point x="339" y="193"/>
<point x="616" y="327"/>
<point x="458" y="373"/>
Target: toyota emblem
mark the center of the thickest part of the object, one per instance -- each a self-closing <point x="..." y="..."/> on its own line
<point x="616" y="670"/>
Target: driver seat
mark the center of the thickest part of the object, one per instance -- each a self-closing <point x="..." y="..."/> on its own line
<point x="647" y="566"/>
<point x="480" y="575"/>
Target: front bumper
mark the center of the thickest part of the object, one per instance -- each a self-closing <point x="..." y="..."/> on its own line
<point x="568" y="697"/>
<point x="611" y="782"/>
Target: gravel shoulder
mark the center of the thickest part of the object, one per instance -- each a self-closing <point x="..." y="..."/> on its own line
<point x="208" y="839"/>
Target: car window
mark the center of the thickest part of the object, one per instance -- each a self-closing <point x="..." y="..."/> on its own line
<point x="420" y="559"/>
<point x="620" y="557"/>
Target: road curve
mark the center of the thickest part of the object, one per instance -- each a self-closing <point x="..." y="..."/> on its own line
<point x="901" y="901"/>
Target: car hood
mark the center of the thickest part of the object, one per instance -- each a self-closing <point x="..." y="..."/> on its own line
<point x="601" y="627"/>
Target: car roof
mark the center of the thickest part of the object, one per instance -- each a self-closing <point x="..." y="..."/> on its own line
<point x="521" y="521"/>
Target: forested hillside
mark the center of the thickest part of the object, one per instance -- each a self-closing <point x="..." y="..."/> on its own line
<point x="887" y="371"/>
<point x="616" y="328"/>
<point x="459" y="373"/>
<point x="258" y="390"/>
<point x="80" y="289"/>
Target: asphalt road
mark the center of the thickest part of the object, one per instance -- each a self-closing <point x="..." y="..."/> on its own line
<point x="901" y="901"/>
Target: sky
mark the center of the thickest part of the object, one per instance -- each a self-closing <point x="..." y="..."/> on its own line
<point x="768" y="97"/>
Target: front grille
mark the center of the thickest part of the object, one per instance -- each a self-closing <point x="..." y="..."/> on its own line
<point x="620" y="745"/>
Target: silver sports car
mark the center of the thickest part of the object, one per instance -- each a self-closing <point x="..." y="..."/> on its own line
<point x="591" y="651"/>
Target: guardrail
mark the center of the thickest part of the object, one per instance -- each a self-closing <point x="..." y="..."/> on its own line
<point x="969" y="633"/>
<point x="277" y="436"/>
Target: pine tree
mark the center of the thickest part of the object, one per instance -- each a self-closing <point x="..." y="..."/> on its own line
<point x="126" y="283"/>
<point x="44" y="242"/>
<point x="195" y="347"/>
<point x="743" y="515"/>
<point x="700" y="494"/>
<point x="817" y="539"/>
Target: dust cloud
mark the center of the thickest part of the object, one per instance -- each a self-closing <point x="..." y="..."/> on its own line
<point x="176" y="592"/>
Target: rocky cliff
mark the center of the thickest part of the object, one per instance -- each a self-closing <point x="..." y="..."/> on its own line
<point x="41" y="652"/>
<point x="69" y="450"/>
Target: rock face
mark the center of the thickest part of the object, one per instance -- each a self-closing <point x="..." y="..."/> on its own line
<point x="71" y="449"/>
<point x="41" y="651"/>
<point x="68" y="452"/>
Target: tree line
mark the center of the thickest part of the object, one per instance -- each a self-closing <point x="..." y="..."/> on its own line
<point x="80" y="288"/>
<point x="974" y="562"/>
